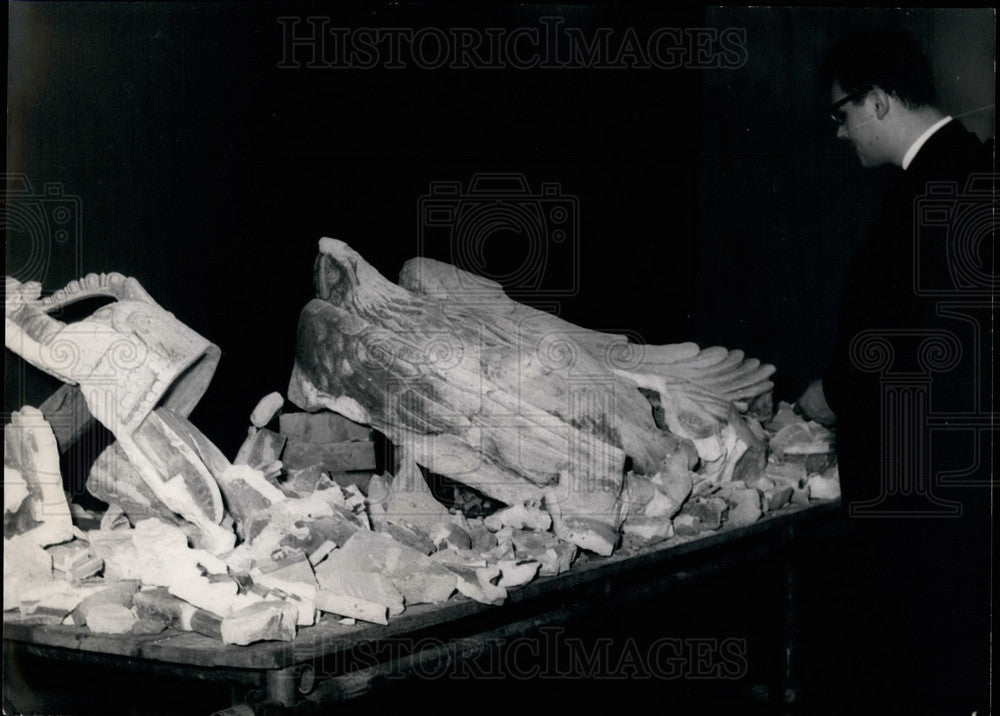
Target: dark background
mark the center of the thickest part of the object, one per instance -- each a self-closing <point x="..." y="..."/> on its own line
<point x="715" y="204"/>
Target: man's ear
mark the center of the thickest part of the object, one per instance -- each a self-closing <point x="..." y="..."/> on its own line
<point x="880" y="102"/>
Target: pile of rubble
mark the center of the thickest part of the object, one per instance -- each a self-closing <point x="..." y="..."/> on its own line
<point x="566" y="441"/>
<point x="323" y="546"/>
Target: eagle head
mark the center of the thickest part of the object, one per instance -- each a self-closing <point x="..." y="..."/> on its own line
<point x="343" y="278"/>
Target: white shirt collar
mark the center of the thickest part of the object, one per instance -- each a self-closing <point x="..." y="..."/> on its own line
<point x="915" y="147"/>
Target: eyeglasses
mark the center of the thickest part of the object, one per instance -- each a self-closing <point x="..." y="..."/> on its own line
<point x="835" y="112"/>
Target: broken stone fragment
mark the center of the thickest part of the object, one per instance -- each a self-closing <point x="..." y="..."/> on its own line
<point x="247" y="493"/>
<point x="763" y="484"/>
<point x="181" y="466"/>
<point x="483" y="539"/>
<point x="476" y="579"/>
<point x="115" y="480"/>
<point x="25" y="565"/>
<point x="146" y="627"/>
<point x="118" y="552"/>
<point x="477" y="583"/>
<point x="368" y="596"/>
<point x="303" y="482"/>
<point x="825" y="486"/>
<point x="517" y="572"/>
<point x="687" y="525"/>
<point x="408" y="534"/>
<point x="792" y="473"/>
<point x="303" y="523"/>
<point x="330" y="457"/>
<point x="405" y="498"/>
<point x="264" y="621"/>
<point x="676" y="484"/>
<point x="647" y="530"/>
<point x="518" y="517"/>
<point x="52" y="601"/>
<point x="749" y="455"/>
<point x="801" y="438"/>
<point x="159" y="605"/>
<point x="646" y="498"/>
<point x="215" y="596"/>
<point x="110" y="618"/>
<point x="554" y="555"/>
<point x="746" y="507"/>
<point x="320" y="553"/>
<point x="596" y="531"/>
<point x="451" y="535"/>
<point x="239" y="559"/>
<point x="783" y="416"/>
<point x="322" y="427"/>
<point x="418" y="578"/>
<point x="800" y="495"/>
<point x="31" y="462"/>
<point x="292" y="574"/>
<point x="120" y="593"/>
<point x="69" y="554"/>
<point x="709" y="511"/>
<point x="503" y="547"/>
<point x="261" y="450"/>
<point x="777" y="497"/>
<point x="265" y="410"/>
<point x="305" y="606"/>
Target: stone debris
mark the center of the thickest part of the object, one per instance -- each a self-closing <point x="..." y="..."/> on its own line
<point x="266" y="409"/>
<point x="368" y="596"/>
<point x="247" y="493"/>
<point x="304" y="523"/>
<point x="31" y="467"/>
<point x="74" y="560"/>
<point x="417" y="577"/>
<point x="25" y="565"/>
<point x="553" y="555"/>
<point x="117" y="550"/>
<point x="264" y="621"/>
<point x="159" y="605"/>
<point x="825" y="486"/>
<point x="297" y="524"/>
<point x="520" y="517"/>
<point x="322" y="427"/>
<point x="110" y="619"/>
<point x="647" y="530"/>
<point x="746" y="509"/>
<point x="517" y="572"/>
<point x="330" y="443"/>
<point x="262" y="451"/>
<point x="109" y="592"/>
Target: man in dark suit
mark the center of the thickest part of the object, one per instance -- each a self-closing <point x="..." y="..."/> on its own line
<point x="924" y="547"/>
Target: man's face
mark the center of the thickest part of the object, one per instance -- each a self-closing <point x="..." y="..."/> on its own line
<point x="859" y="127"/>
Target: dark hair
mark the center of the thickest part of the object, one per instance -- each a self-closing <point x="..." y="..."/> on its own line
<point x="885" y="58"/>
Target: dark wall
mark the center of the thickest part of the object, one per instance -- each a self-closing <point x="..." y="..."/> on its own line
<point x="714" y="203"/>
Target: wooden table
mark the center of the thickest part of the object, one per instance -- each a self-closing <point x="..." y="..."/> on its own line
<point x="332" y="662"/>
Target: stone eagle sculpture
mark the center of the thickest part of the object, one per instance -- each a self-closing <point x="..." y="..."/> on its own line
<point x="515" y="402"/>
